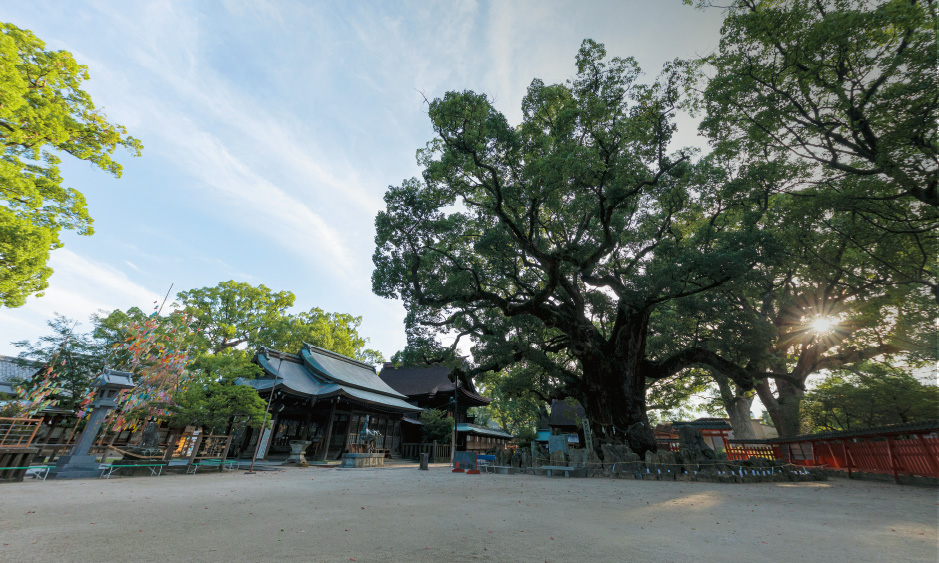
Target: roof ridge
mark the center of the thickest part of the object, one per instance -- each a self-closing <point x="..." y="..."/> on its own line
<point x="340" y="357"/>
<point x="281" y="355"/>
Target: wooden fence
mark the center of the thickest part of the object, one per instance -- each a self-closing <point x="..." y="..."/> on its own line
<point x="740" y="450"/>
<point x="902" y="449"/>
<point x="439" y="453"/>
<point x="18" y="432"/>
<point x="889" y="453"/>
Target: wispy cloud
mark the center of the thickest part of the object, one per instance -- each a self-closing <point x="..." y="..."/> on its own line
<point x="82" y="286"/>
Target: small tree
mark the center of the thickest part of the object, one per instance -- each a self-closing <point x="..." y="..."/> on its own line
<point x="65" y="363"/>
<point x="213" y="398"/>
<point x="870" y="394"/>
<point x="438" y="427"/>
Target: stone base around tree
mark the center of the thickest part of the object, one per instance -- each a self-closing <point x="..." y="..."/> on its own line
<point x="363" y="460"/>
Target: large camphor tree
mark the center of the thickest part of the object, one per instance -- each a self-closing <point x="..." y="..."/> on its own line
<point x="44" y="112"/>
<point x="552" y="243"/>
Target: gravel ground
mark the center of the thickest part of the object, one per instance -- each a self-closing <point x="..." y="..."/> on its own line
<point x="402" y="514"/>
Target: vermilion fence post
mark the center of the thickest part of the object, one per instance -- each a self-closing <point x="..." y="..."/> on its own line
<point x="929" y="455"/>
<point x="847" y="458"/>
<point x="893" y="459"/>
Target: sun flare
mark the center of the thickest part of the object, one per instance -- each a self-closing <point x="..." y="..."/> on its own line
<point x="822" y="325"/>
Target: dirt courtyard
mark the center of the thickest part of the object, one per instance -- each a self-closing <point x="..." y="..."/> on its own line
<point x="402" y="514"/>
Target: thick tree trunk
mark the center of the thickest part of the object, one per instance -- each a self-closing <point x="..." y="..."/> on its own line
<point x="739" y="412"/>
<point x="614" y="392"/>
<point x="737" y="404"/>
<point x="785" y="408"/>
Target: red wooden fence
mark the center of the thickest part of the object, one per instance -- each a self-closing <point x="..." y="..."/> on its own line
<point x="901" y="449"/>
<point x="907" y="449"/>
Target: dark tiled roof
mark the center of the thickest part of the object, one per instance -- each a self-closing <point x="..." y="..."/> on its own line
<point x="925" y="426"/>
<point x="319" y="373"/>
<point x="429" y="381"/>
<point x="482" y="431"/>
<point x="9" y="369"/>
<point x="563" y="414"/>
<point x="707" y="423"/>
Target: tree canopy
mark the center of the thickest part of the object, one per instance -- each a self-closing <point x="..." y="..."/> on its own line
<point x="552" y="243"/>
<point x="868" y="394"/>
<point x="44" y="111"/>
<point x="836" y="87"/>
<point x="236" y="315"/>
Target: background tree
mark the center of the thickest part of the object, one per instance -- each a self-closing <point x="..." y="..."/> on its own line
<point x="866" y="395"/>
<point x="517" y="395"/>
<point x="66" y="362"/>
<point x="845" y="87"/>
<point x="554" y="242"/>
<point x="438" y="427"/>
<point x="212" y="398"/>
<point x="236" y="315"/>
<point x="822" y="303"/>
<point x="845" y="94"/>
<point x="43" y="110"/>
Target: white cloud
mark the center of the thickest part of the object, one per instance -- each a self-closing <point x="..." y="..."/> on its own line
<point x="78" y="288"/>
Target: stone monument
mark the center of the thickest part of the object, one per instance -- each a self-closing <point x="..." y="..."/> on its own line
<point x="78" y="464"/>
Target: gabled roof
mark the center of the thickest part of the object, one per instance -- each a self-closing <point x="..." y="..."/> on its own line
<point x="563" y="414"/>
<point x="705" y="423"/>
<point x="321" y="374"/>
<point x="429" y="381"/>
<point x="482" y="431"/>
<point x="10" y="369"/>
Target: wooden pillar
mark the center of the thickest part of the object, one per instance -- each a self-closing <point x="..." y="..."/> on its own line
<point x="894" y="463"/>
<point x="195" y="448"/>
<point x="832" y="453"/>
<point x="328" y="435"/>
<point x="933" y="463"/>
<point x="349" y="430"/>
<point x="847" y="456"/>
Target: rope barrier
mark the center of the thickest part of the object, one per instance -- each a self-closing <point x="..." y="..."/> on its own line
<point x="740" y="468"/>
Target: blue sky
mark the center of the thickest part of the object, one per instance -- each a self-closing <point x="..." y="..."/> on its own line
<point x="272" y="130"/>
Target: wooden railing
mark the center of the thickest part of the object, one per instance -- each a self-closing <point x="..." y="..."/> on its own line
<point x="739" y="450"/>
<point x="439" y="453"/>
<point x="891" y="451"/>
<point x="18" y="432"/>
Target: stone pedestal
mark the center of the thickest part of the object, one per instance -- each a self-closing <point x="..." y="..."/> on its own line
<point x="297" y="452"/>
<point x="363" y="460"/>
<point x="79" y="464"/>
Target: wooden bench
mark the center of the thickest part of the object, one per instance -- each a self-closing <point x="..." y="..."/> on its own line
<point x="28" y="467"/>
<point x="550" y="468"/>
<point x="156" y="469"/>
<point x="228" y="465"/>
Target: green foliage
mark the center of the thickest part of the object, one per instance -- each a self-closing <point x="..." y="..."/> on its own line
<point x="337" y="332"/>
<point x="213" y="397"/>
<point x="515" y="392"/>
<point x="44" y="109"/>
<point x="869" y="394"/>
<point x="550" y="244"/>
<point x="526" y="436"/>
<point x="235" y="315"/>
<point x="438" y="427"/>
<point x="835" y="87"/>
<point x="66" y="360"/>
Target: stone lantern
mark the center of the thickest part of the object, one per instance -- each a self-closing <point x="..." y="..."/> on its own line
<point x="78" y="464"/>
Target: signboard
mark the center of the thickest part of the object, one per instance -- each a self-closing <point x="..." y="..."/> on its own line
<point x="556" y="443"/>
<point x="265" y="442"/>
